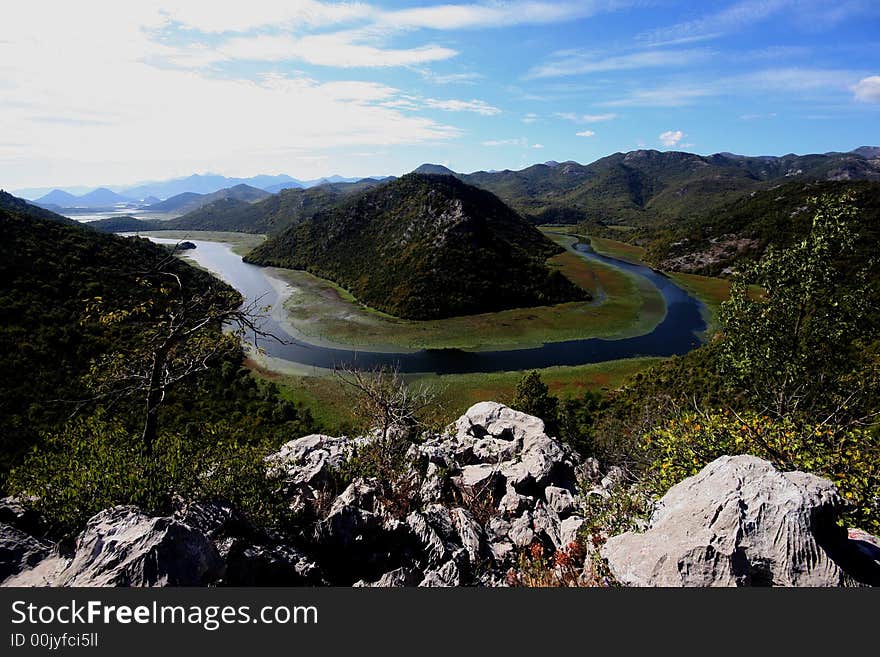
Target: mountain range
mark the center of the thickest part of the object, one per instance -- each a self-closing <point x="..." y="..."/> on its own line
<point x="154" y="192"/>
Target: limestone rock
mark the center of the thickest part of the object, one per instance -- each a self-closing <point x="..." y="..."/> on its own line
<point x="738" y="522"/>
<point x="122" y="546"/>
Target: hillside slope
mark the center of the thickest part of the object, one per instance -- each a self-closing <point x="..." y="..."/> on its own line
<point x="424" y="247"/>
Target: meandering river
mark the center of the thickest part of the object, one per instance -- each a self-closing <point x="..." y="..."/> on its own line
<point x="678" y="333"/>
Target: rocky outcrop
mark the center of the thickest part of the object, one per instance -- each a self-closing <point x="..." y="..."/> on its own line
<point x="124" y="547"/>
<point x="469" y="505"/>
<point x="739" y="522"/>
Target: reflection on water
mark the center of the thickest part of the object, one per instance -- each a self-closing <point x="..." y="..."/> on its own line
<point x="676" y="334"/>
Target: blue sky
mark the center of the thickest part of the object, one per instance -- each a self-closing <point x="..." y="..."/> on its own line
<point x="111" y="94"/>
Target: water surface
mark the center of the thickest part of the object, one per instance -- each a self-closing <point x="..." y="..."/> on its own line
<point x="677" y="334"/>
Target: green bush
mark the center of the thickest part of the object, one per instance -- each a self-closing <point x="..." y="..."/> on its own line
<point x="848" y="457"/>
<point x="93" y="463"/>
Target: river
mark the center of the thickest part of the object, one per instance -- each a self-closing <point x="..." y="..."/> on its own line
<point x="678" y="333"/>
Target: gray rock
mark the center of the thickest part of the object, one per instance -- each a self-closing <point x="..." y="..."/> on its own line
<point x="496" y="420"/>
<point x="399" y="577"/>
<point x="429" y="541"/>
<point x="546" y="525"/>
<point x="122" y="546"/>
<point x="269" y="565"/>
<point x="19" y="551"/>
<point x="521" y="533"/>
<point x="447" y="575"/>
<point x="569" y="529"/>
<point x="512" y="503"/>
<point x="478" y="476"/>
<point x="738" y="522"/>
<point x="308" y="460"/>
<point x="470" y="534"/>
<point x="560" y="500"/>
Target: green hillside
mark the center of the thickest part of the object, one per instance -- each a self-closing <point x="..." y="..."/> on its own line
<point x="424" y="247"/>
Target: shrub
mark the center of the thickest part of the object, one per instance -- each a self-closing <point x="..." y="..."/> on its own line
<point x="848" y="457"/>
<point x="93" y="463"/>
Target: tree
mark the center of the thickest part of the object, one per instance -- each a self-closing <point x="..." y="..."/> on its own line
<point x="533" y="397"/>
<point x="180" y="334"/>
<point x="795" y="346"/>
<point x="385" y="401"/>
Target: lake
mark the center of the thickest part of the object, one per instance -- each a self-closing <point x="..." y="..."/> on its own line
<point x="677" y="334"/>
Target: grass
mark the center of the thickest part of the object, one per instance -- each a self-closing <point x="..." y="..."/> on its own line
<point x="623" y="306"/>
<point x="331" y="401"/>
<point x="620" y="250"/>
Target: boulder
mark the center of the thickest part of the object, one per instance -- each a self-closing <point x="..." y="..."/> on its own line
<point x="399" y="577"/>
<point x="496" y="420"/>
<point x="738" y="522"/>
<point x="122" y="546"/>
<point x="19" y="551"/>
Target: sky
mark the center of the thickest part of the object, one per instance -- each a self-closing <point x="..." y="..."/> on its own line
<point x="103" y="92"/>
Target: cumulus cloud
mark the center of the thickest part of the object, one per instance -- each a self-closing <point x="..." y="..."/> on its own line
<point x="537" y="145"/>
<point x="522" y="141"/>
<point x="867" y="90"/>
<point x="111" y="77"/>
<point x="671" y="137"/>
<point x="585" y="133"/>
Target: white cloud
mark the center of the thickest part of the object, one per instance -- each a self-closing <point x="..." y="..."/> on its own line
<point x="671" y="137"/>
<point x="585" y="133"/>
<point x="713" y="25"/>
<point x="497" y="14"/>
<point x="537" y="145"/>
<point x="868" y="89"/>
<point x="339" y="49"/>
<point x="662" y="97"/>
<point x="506" y="142"/>
<point x="586" y="118"/>
<point x="218" y="17"/>
<point x="453" y="78"/>
<point x="476" y="106"/>
<point x="139" y="120"/>
<point x="531" y="117"/>
<point x="578" y="63"/>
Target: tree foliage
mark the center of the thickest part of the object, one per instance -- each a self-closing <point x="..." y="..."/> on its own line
<point x="795" y="347"/>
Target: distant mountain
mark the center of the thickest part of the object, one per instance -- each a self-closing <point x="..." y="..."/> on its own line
<point x="271" y="215"/>
<point x="97" y="198"/>
<point x="189" y="201"/>
<point x="870" y="152"/>
<point x="293" y="184"/>
<point x="101" y="197"/>
<point x="425" y="246"/>
<point x="201" y="184"/>
<point x="23" y="208"/>
<point x="57" y="198"/>
<point x="178" y="203"/>
<point x="435" y="169"/>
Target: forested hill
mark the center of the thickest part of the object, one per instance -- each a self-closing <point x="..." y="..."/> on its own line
<point x="19" y="206"/>
<point x="49" y="270"/>
<point x="425" y="246"/>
